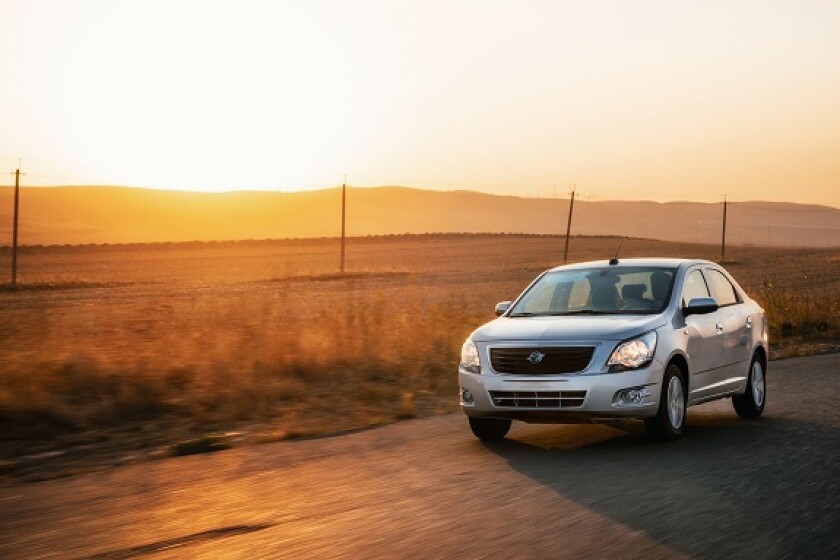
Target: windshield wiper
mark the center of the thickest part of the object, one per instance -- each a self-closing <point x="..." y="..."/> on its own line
<point x="582" y="312"/>
<point x="563" y="313"/>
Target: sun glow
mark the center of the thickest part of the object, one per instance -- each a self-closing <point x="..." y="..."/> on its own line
<point x="185" y="94"/>
<point x="650" y="100"/>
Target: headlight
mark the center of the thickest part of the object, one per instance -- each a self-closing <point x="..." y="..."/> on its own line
<point x="633" y="353"/>
<point x="469" y="357"/>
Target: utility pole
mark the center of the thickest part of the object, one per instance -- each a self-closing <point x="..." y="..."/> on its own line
<point x="343" y="218"/>
<point x="723" y="235"/>
<point x="569" y="227"/>
<point x="15" y="226"/>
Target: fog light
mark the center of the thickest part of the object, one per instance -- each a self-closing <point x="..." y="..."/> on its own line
<point x="466" y="397"/>
<point x="633" y="395"/>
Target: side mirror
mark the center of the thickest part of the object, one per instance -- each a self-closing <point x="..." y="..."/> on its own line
<point x="700" y="306"/>
<point x="501" y="307"/>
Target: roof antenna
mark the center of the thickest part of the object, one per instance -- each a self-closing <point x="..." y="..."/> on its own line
<point x="614" y="260"/>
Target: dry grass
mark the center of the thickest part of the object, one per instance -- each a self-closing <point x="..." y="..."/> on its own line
<point x="172" y="342"/>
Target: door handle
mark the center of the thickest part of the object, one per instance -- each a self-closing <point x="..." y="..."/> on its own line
<point x="718" y="328"/>
<point x="749" y="322"/>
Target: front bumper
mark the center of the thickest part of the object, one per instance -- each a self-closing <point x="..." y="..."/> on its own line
<point x="524" y="397"/>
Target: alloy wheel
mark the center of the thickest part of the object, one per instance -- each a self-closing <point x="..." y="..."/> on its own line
<point x="758" y="383"/>
<point x="676" y="402"/>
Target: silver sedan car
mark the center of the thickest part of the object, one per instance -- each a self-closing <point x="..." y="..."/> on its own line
<point x="607" y="340"/>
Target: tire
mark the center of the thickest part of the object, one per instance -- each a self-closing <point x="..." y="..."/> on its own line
<point x="489" y="429"/>
<point x="751" y="403"/>
<point x="669" y="422"/>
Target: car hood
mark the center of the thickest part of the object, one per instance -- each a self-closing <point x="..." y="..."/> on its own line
<point x="606" y="327"/>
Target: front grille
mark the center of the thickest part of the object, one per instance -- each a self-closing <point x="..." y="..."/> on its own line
<point x="564" y="359"/>
<point x="538" y="399"/>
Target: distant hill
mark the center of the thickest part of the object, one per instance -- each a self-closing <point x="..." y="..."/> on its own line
<point x="73" y="215"/>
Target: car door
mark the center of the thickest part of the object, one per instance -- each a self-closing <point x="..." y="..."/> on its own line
<point x="704" y="344"/>
<point x="737" y="325"/>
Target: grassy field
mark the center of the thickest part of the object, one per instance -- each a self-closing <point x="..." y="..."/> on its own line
<point x="109" y="349"/>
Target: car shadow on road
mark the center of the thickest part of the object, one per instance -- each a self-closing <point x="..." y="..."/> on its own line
<point x="728" y="488"/>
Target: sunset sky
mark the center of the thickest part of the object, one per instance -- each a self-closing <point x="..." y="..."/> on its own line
<point x="629" y="100"/>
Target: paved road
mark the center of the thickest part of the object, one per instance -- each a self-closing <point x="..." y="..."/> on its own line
<point x="426" y="489"/>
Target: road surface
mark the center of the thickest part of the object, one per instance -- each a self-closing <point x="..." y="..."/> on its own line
<point x="729" y="488"/>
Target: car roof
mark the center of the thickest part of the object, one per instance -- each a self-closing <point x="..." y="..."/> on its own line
<point x="635" y="262"/>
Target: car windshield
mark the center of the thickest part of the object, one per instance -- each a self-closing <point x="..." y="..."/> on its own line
<point x="609" y="290"/>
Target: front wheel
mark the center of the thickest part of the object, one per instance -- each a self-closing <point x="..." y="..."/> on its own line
<point x="670" y="418"/>
<point x="489" y="429"/>
<point x="751" y="403"/>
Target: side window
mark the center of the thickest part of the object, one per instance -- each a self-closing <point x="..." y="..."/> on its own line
<point x="539" y="299"/>
<point x="694" y="287"/>
<point x="560" y="300"/>
<point x="579" y="295"/>
<point x="641" y="280"/>
<point x="722" y="289"/>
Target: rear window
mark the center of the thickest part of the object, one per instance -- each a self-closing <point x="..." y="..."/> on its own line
<point x="598" y="291"/>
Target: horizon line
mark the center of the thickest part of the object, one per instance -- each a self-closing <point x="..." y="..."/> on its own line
<point x="253" y="190"/>
<point x="268" y="240"/>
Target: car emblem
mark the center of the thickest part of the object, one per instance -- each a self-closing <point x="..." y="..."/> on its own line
<point x="536" y="357"/>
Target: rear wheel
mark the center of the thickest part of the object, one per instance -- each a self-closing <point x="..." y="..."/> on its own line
<point x="489" y="429"/>
<point x="751" y="403"/>
<point x="670" y="418"/>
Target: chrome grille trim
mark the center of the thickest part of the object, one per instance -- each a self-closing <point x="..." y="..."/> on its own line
<point x="538" y="399"/>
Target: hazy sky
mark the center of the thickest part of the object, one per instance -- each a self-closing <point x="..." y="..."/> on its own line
<point x="656" y="100"/>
